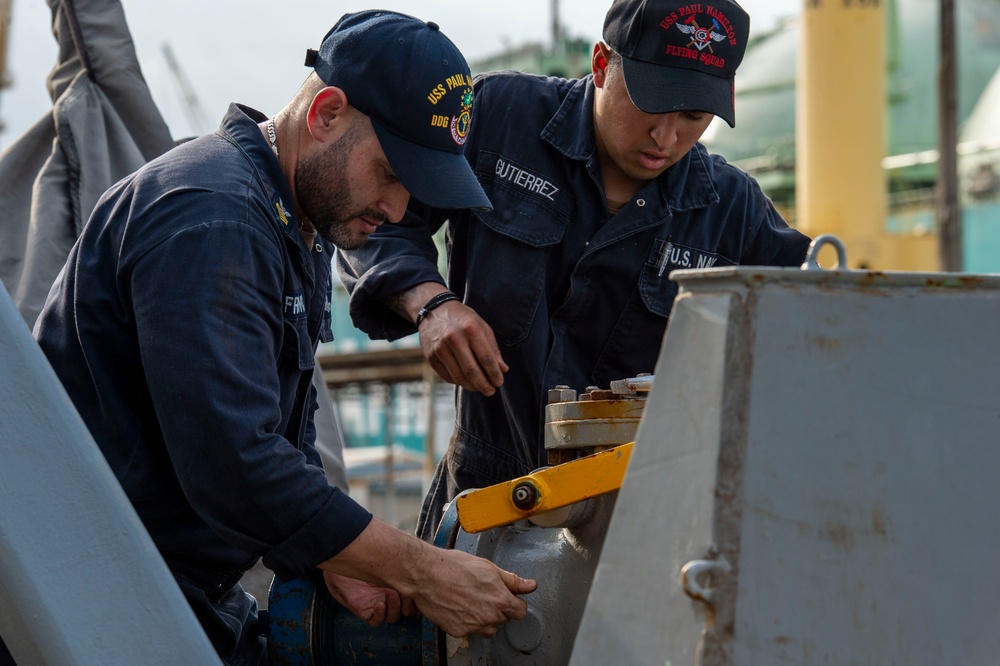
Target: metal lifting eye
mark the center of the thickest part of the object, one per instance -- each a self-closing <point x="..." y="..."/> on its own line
<point x="812" y="262"/>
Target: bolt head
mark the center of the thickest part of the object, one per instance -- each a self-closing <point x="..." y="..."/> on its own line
<point x="561" y="393"/>
<point x="524" y="496"/>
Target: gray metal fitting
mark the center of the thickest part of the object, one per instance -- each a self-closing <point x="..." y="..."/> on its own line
<point x="562" y="393"/>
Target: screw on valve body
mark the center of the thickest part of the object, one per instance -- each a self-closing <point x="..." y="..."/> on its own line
<point x="524" y="496"/>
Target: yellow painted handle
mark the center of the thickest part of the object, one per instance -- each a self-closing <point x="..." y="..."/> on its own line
<point x="544" y="490"/>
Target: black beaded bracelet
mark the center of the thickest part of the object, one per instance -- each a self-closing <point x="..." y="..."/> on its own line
<point x="435" y="301"/>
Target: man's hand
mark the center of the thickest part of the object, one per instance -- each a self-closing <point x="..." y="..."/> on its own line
<point x="461" y="593"/>
<point x="458" y="344"/>
<point x="464" y="594"/>
<point x="371" y="603"/>
<point x="461" y="348"/>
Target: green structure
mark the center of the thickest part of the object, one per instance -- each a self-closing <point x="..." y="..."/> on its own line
<point x="568" y="58"/>
<point x="763" y="142"/>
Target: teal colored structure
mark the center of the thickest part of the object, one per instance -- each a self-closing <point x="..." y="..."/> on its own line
<point x="361" y="410"/>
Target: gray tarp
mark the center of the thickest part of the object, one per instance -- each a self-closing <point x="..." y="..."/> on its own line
<point x="103" y="125"/>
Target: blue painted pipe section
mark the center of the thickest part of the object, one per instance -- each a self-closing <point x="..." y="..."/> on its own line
<point x="307" y="627"/>
<point x="342" y="638"/>
<point x="289" y="622"/>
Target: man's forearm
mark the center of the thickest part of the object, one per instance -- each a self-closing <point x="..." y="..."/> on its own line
<point x="459" y="592"/>
<point x="408" y="303"/>
<point x="383" y="555"/>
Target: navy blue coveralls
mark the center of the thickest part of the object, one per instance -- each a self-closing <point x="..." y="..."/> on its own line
<point x="574" y="296"/>
<point x="184" y="326"/>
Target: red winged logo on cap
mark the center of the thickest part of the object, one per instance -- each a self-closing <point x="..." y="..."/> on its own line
<point x="701" y="37"/>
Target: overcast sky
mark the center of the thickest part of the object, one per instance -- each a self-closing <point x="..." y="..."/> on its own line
<point x="251" y="51"/>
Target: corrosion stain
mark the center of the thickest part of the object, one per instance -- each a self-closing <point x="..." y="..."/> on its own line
<point x="878" y="522"/>
<point x="840" y="534"/>
<point x="954" y="281"/>
<point x="825" y="343"/>
<point x="872" y="279"/>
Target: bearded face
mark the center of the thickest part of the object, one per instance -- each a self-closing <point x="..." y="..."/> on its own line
<point x="338" y="188"/>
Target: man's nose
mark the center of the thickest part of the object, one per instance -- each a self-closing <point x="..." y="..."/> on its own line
<point x="664" y="130"/>
<point x="394" y="201"/>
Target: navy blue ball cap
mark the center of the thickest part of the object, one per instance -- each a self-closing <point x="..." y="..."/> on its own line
<point x="679" y="55"/>
<point x="416" y="87"/>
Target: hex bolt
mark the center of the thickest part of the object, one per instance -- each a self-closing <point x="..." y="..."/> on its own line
<point x="524" y="496"/>
<point x="561" y="393"/>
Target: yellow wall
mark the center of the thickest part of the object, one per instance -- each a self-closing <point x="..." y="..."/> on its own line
<point x="907" y="253"/>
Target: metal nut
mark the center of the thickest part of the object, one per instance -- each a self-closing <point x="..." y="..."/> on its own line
<point x="524" y="496"/>
<point x="561" y="393"/>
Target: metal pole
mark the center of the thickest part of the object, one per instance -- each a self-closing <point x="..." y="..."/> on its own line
<point x="430" y="461"/>
<point x="5" y="12"/>
<point x="948" y="213"/>
<point x="391" y="515"/>
<point x="556" y="30"/>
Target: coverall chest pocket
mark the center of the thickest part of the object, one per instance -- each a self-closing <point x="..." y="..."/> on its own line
<point x="633" y="344"/>
<point x="657" y="291"/>
<point x="508" y="259"/>
<point x="296" y="346"/>
<point x="655" y="286"/>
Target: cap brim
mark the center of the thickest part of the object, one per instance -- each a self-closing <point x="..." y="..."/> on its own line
<point x="662" y="89"/>
<point x="435" y="177"/>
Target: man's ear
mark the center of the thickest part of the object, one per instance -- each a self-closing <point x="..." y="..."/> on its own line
<point x="599" y="63"/>
<point x="328" y="106"/>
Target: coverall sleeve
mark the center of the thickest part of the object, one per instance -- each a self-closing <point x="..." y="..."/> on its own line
<point x="772" y="242"/>
<point x="208" y="314"/>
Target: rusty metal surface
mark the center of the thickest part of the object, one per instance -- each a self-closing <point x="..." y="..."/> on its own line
<point x="823" y="453"/>
<point x="846" y="279"/>
<point x="598" y="419"/>
<point x="291" y="622"/>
